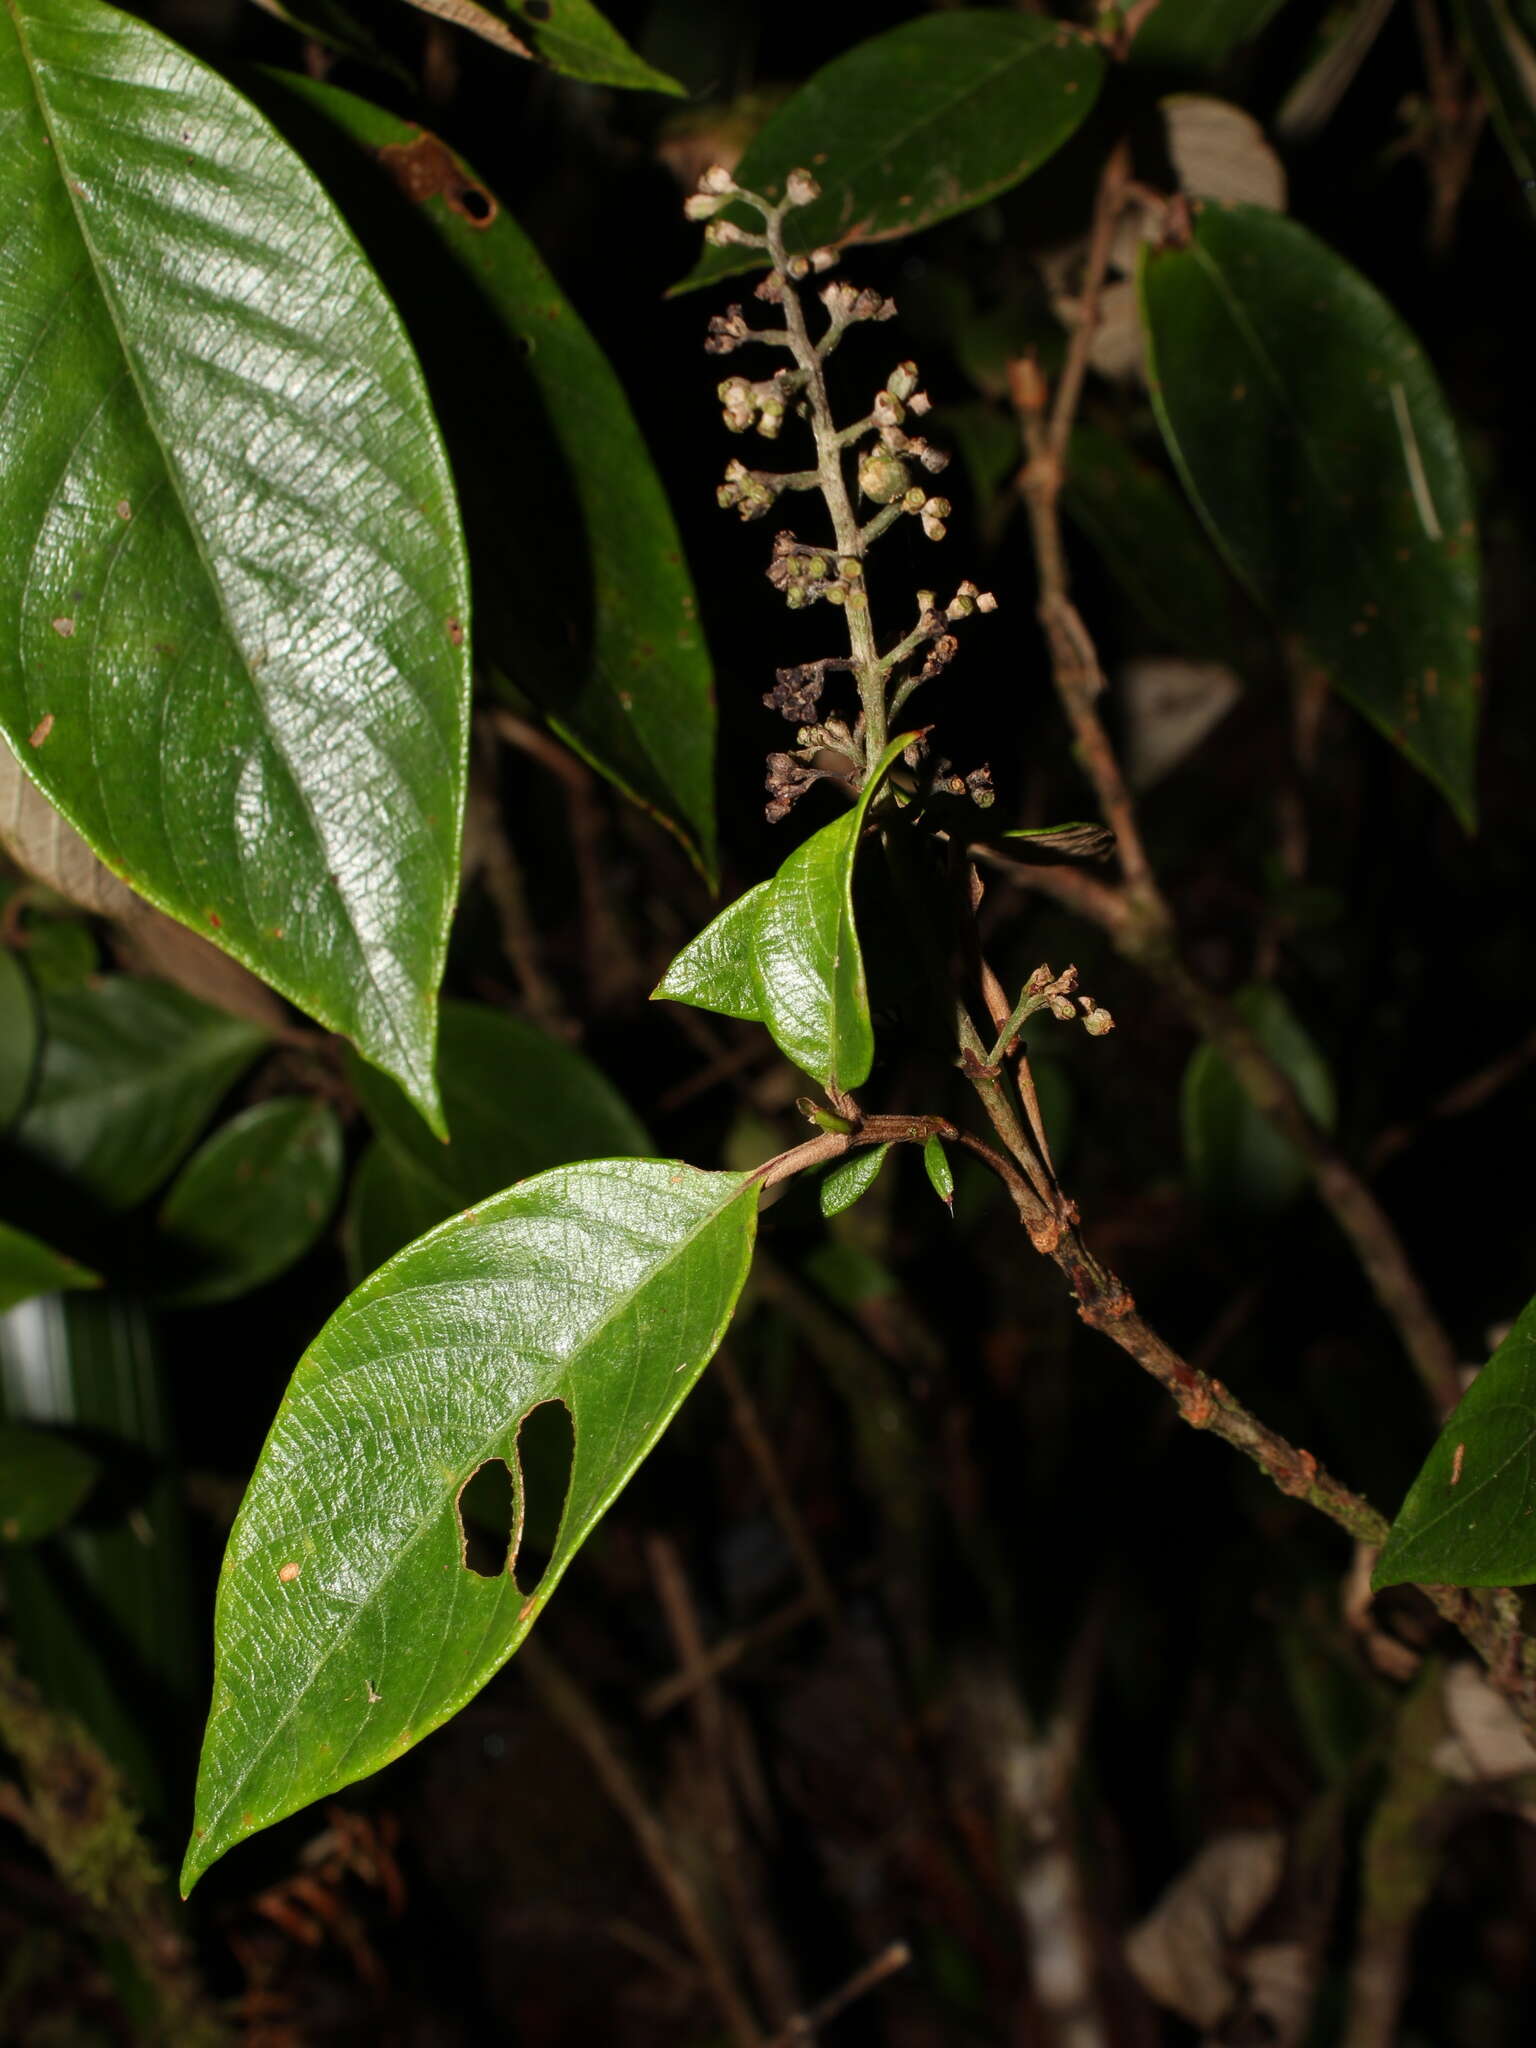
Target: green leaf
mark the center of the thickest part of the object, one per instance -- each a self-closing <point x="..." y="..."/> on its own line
<point x="1467" y="1520"/>
<point x="940" y="1178"/>
<point x="231" y="571"/>
<point x="519" y="1102"/>
<point x="339" y="29"/>
<point x="18" y="1037"/>
<point x="1235" y="1158"/>
<point x="1152" y="545"/>
<point x="925" y="121"/>
<point x="570" y="36"/>
<point x="1317" y="446"/>
<point x="251" y="1200"/>
<point x="102" y="1612"/>
<point x="28" y="1267"/>
<point x="583" y="597"/>
<point x="855" y="1176"/>
<point x="787" y="954"/>
<point x="348" y="1625"/>
<point x="131" y="1071"/>
<point x="43" y="1480"/>
<point x="1198" y="35"/>
<point x="391" y="1201"/>
<point x="1505" y="68"/>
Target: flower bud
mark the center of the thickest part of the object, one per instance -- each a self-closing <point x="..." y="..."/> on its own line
<point x="801" y="189"/>
<point x="902" y="381"/>
<point x="883" y="477"/>
<point x="717" y="179"/>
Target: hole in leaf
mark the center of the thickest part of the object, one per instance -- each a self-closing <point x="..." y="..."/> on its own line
<point x="488" y="1518"/>
<point x="546" y="1450"/>
<point x="476" y="205"/>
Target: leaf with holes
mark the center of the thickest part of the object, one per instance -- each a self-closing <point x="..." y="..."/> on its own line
<point x="231" y="571"/>
<point x="1236" y="1160"/>
<point x="925" y="121"/>
<point x="583" y="599"/>
<point x="1467" y="1520"/>
<point x="131" y="1071"/>
<point x="28" y="1267"/>
<point x="570" y="36"/>
<point x="1319" y="450"/>
<point x="348" y="1625"/>
<point x="250" y="1201"/>
<point x="518" y="1101"/>
<point x="787" y="953"/>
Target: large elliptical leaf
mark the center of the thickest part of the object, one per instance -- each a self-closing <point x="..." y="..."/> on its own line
<point x="583" y="597"/>
<point x="1467" y="1519"/>
<point x="787" y="953"/>
<point x="230" y="559"/>
<point x="348" y="1625"/>
<point x="1318" y="448"/>
<point x="927" y="120"/>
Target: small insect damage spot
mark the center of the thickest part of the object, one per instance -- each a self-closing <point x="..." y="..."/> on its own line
<point x="456" y="632"/>
<point x="428" y="169"/>
<point x="287" y="1573"/>
<point x="123" y="509"/>
<point x="214" y="919"/>
<point x="65" y="628"/>
<point x="509" y="1514"/>
<point x="41" y="730"/>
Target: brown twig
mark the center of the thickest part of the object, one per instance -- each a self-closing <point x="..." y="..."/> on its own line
<point x="759" y="1448"/>
<point x="1136" y="915"/>
<point x="805" y="2025"/>
<point x="722" y="1655"/>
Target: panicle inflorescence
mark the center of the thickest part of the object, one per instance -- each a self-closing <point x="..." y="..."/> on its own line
<point x="889" y="460"/>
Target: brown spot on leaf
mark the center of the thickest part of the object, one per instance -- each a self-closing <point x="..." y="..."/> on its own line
<point x="215" y="920"/>
<point x="123" y="509"/>
<point x="456" y="632"/>
<point x="65" y="628"/>
<point x="287" y="1573"/>
<point x="428" y="169"/>
<point x="41" y="730"/>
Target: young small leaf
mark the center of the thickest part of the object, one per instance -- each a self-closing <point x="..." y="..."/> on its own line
<point x="251" y="1200"/>
<point x="1235" y="1158"/>
<point x="1467" y="1519"/>
<point x="936" y="1166"/>
<point x="1318" y="448"/>
<point x="787" y="953"/>
<point x="348" y="1625"/>
<point x="131" y="1070"/>
<point x="43" y="1480"/>
<point x="232" y="580"/>
<point x="570" y="36"/>
<point x="1197" y="36"/>
<point x="28" y="1267"/>
<point x="931" y="118"/>
<point x="850" y="1178"/>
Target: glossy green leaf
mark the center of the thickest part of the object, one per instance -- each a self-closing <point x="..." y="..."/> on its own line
<point x="28" y="1267"/>
<point x="852" y="1177"/>
<point x="940" y="1174"/>
<point x="348" y="1625"/>
<point x="18" y="1037"/>
<point x="1467" y="1520"/>
<point x="231" y="571"/>
<point x="570" y="36"/>
<point x="102" y="1612"/>
<point x="1235" y="1158"/>
<point x="131" y="1071"/>
<point x="1152" y="545"/>
<point x="1505" y="67"/>
<point x="1316" y="444"/>
<point x="787" y="954"/>
<point x="582" y="598"/>
<point x="924" y="121"/>
<point x="518" y="1101"/>
<point x="1198" y="35"/>
<point x="251" y="1200"/>
<point x="338" y="28"/>
<point x="43" y="1480"/>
